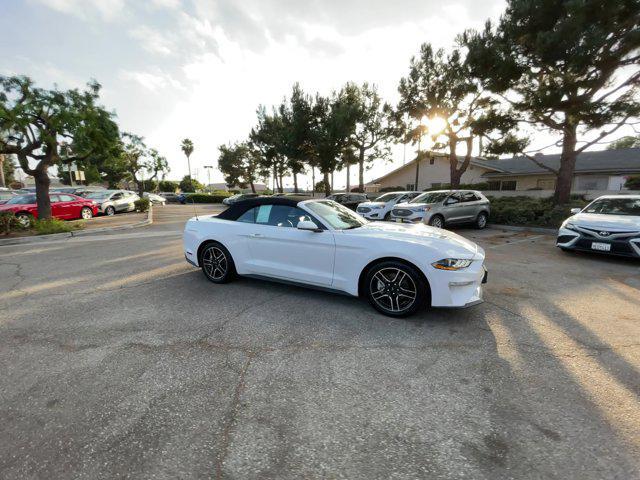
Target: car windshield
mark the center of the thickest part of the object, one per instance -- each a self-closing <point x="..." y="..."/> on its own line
<point x="615" y="206"/>
<point x="339" y="217"/>
<point x="22" y="200"/>
<point x="98" y="195"/>
<point x="430" y="197"/>
<point x="387" y="197"/>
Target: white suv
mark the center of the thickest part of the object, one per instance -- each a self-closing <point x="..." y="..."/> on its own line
<point x="380" y="208"/>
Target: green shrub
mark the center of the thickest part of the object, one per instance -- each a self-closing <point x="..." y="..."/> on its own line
<point x="53" y="225"/>
<point x="142" y="205"/>
<point x="632" y="182"/>
<point x="463" y="186"/>
<point x="528" y="211"/>
<point x="206" y="198"/>
<point x="9" y="223"/>
<point x="392" y="189"/>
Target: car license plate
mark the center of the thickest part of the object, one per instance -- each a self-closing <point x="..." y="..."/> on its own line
<point x="604" y="247"/>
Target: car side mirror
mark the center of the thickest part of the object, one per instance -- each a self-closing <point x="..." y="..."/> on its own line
<point x="575" y="210"/>
<point x="308" y="225"/>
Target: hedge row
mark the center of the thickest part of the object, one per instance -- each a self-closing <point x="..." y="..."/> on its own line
<point x="534" y="212"/>
<point x="206" y="198"/>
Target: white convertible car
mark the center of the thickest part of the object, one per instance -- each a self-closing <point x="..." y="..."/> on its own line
<point x="399" y="268"/>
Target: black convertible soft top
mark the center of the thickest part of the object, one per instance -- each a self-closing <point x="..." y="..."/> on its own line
<point x="238" y="208"/>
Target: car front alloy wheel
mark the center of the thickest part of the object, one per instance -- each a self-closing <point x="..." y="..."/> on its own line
<point x="110" y="211"/>
<point x="395" y="289"/>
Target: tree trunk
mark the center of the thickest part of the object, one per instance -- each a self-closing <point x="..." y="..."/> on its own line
<point x="332" y="181"/>
<point x="361" y="170"/>
<point x="454" y="173"/>
<point x="415" y="186"/>
<point x="313" y="181"/>
<point x="327" y="186"/>
<point x="253" y="187"/>
<point x="348" y="181"/>
<point x="42" y="193"/>
<point x="140" y="184"/>
<point x="562" y="194"/>
<point x="2" y="180"/>
<point x="280" y="185"/>
<point x="295" y="182"/>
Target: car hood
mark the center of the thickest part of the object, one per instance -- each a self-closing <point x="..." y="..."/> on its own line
<point x="609" y="222"/>
<point x="371" y="204"/>
<point x="411" y="205"/>
<point x="451" y="244"/>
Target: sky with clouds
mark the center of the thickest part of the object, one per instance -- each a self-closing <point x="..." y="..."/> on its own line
<point x="199" y="68"/>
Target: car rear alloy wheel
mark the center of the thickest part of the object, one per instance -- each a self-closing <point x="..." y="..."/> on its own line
<point x="217" y="264"/>
<point x="110" y="211"/>
<point x="481" y="221"/>
<point x="86" y="213"/>
<point x="24" y="219"/>
<point x="437" y="221"/>
<point x="395" y="289"/>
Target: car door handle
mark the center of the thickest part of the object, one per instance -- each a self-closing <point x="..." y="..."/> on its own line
<point x="256" y="235"/>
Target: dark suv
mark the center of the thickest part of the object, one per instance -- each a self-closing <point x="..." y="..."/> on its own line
<point x="349" y="200"/>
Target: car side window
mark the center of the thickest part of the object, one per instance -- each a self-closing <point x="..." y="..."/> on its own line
<point x="54" y="198"/>
<point x="116" y="196"/>
<point x="453" y="199"/>
<point x="66" y="198"/>
<point x="469" y="197"/>
<point x="275" y="215"/>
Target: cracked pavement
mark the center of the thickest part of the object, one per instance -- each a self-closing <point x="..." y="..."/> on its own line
<point x="119" y="360"/>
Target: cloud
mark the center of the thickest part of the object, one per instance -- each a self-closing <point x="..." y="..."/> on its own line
<point x="152" y="40"/>
<point x="151" y="81"/>
<point x="106" y="9"/>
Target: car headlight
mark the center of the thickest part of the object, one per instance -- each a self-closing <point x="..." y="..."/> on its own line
<point x="569" y="226"/>
<point x="422" y="209"/>
<point x="452" y="263"/>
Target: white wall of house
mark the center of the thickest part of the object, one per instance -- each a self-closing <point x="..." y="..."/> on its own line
<point x="430" y="174"/>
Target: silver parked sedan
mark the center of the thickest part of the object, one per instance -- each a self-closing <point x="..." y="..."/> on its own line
<point x="445" y="207"/>
<point x="112" y="201"/>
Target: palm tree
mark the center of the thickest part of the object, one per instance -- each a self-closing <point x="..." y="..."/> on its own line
<point x="187" y="148"/>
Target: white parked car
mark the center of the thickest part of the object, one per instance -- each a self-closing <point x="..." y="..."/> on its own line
<point x="609" y="224"/>
<point x="155" y="198"/>
<point x="380" y="208"/>
<point x="320" y="243"/>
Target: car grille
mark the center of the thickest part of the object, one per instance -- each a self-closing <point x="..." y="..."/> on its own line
<point x="618" y="247"/>
<point x="402" y="212"/>
<point x="364" y="209"/>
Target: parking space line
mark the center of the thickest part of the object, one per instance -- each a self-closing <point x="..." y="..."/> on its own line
<point x="529" y="239"/>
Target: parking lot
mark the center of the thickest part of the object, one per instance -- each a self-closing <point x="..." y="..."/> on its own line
<point x="119" y="359"/>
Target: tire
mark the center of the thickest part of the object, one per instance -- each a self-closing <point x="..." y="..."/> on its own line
<point x="387" y="217"/>
<point x="437" y="221"/>
<point x="110" y="211"/>
<point x="86" y="213"/>
<point x="395" y="289"/>
<point x="216" y="263"/>
<point x="481" y="221"/>
<point x="24" y="219"/>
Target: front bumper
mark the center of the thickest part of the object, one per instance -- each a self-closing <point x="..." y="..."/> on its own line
<point x="415" y="217"/>
<point x="372" y="214"/>
<point x="460" y="288"/>
<point x="625" y="245"/>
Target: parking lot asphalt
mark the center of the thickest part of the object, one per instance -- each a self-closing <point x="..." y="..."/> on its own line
<point x="119" y="360"/>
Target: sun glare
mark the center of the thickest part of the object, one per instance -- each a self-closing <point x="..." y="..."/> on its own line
<point x="435" y="125"/>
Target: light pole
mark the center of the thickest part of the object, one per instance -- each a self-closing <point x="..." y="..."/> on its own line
<point x="209" y="167"/>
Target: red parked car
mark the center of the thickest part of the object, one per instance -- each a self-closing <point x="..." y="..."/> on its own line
<point x="64" y="206"/>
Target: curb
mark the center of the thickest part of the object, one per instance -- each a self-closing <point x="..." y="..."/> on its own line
<point x="80" y="233"/>
<point x="547" y="231"/>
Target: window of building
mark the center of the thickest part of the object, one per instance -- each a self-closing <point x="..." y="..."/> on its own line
<point x="546" y="183"/>
<point x="592" y="182"/>
<point x="410" y="186"/>
<point x="508" y="185"/>
<point x="493" y="185"/>
<point x="432" y="160"/>
<point x="436" y="184"/>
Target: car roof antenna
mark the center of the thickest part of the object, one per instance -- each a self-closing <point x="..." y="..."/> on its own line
<point x="195" y="211"/>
